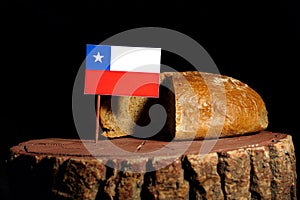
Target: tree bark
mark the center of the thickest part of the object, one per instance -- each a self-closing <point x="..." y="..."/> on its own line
<point x="256" y="166"/>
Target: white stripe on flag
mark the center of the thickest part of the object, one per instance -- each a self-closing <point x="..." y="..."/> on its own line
<point x="135" y="59"/>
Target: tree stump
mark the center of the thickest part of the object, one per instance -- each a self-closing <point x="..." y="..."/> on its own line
<point x="256" y="166"/>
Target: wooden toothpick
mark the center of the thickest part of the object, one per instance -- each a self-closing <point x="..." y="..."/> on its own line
<point x="97" y="118"/>
<point x="140" y="146"/>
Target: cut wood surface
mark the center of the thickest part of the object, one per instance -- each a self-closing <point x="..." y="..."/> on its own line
<point x="256" y="166"/>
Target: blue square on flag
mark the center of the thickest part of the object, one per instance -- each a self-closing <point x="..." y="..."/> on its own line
<point x="98" y="57"/>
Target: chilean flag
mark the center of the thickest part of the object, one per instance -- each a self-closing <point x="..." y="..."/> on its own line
<point x="122" y="71"/>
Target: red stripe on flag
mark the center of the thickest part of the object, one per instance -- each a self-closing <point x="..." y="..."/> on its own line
<point x="121" y="83"/>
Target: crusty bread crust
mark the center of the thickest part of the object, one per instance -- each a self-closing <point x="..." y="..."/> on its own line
<point x="211" y="105"/>
<point x="204" y="105"/>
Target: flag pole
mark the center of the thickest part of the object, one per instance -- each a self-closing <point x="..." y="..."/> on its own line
<point x="97" y="118"/>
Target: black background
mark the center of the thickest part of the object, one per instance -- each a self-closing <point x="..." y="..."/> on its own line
<point x="44" y="45"/>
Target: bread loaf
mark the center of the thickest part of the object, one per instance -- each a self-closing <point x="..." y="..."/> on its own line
<point x="198" y="105"/>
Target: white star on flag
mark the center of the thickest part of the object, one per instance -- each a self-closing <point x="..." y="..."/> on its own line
<point x="98" y="57"/>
